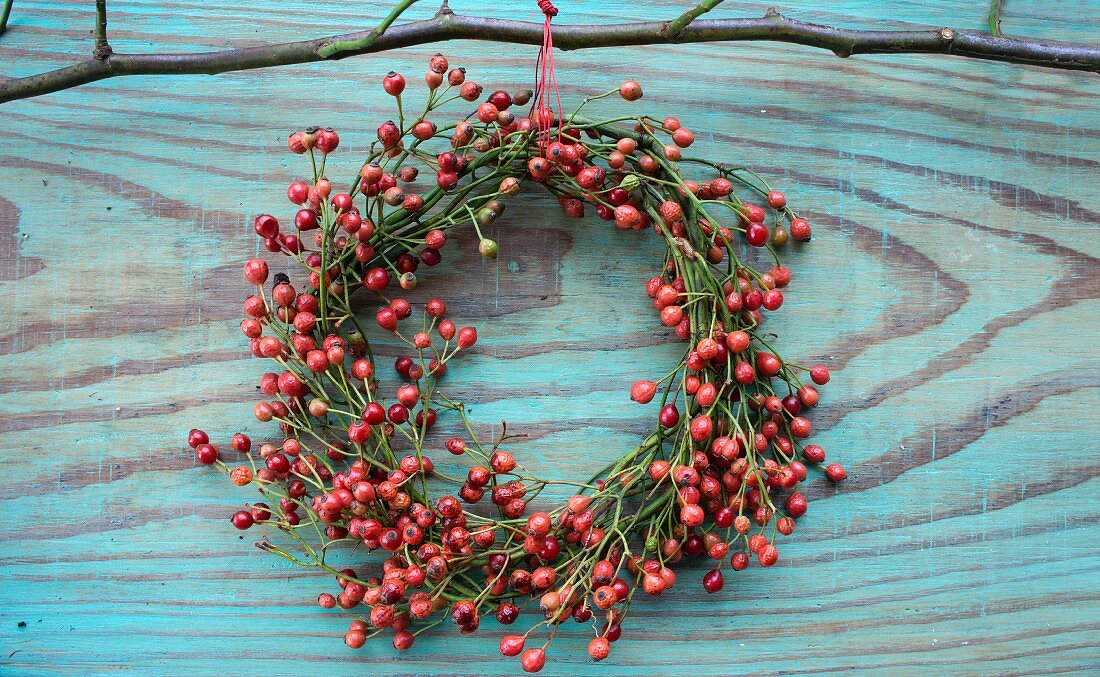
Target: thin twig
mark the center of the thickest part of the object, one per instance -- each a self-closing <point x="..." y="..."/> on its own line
<point x="102" y="49"/>
<point x="772" y="27"/>
<point x="4" y="16"/>
<point x="673" y="28"/>
<point x="995" y="17"/>
<point x="357" y="45"/>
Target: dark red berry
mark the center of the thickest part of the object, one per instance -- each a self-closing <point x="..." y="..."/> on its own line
<point x="243" y="519"/>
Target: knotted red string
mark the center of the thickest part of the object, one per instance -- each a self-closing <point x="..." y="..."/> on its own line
<point x="546" y="82"/>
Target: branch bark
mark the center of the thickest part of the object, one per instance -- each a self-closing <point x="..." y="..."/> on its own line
<point x="447" y="26"/>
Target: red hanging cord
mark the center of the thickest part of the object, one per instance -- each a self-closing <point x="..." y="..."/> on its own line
<point x="546" y="82"/>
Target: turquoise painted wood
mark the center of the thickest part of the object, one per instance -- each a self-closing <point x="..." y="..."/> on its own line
<point x="953" y="286"/>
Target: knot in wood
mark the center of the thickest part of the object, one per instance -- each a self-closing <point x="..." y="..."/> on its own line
<point x="686" y="249"/>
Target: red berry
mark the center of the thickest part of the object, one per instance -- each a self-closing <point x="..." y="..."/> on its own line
<point x="467" y="337"/>
<point x="240" y="442"/>
<point x="470" y="91"/>
<point x="683" y="137"/>
<point x="327" y="140"/>
<point x="819" y="374"/>
<point x="706" y="395"/>
<point x="768" y="364"/>
<point x="599" y="648"/>
<point x="792" y="404"/>
<point x="511" y="645"/>
<point x="630" y="90"/>
<point x="398" y="413"/>
<point x="300" y="142"/>
<point x="777" y="200"/>
<point x="533" y="660"/>
<point x="403" y="640"/>
<point x="355" y="639"/>
<point x="317" y="361"/>
<point x="196" y="437"/>
<point x="671" y="316"/>
<point x="206" y="454"/>
<point x="243" y="519"/>
<point x="291" y="385"/>
<point x="389" y="134"/>
<point x="701" y="427"/>
<point x="692" y="515"/>
<point x="768" y="555"/>
<point x="628" y="217"/>
<point x="278" y="463"/>
<point x="757" y="543"/>
<point x="408" y="395"/>
<point x="297" y="192"/>
<point x="813" y="453"/>
<point x="387" y="319"/>
<point x="773" y="299"/>
<point x="377" y="279"/>
<point x="713" y="581"/>
<point x="255" y="271"/>
<point x="487" y="112"/>
<point x="266" y="225"/>
<point x="501" y="99"/>
<point x="836" y="472"/>
<point x="668" y="416"/>
<point x="737" y="341"/>
<point x="642" y="392"/>
<point x="756" y="234"/>
<point x="374" y="413"/>
<point x="305" y="219"/>
<point x="796" y="505"/>
<point x="800" y="427"/>
<point x="739" y="561"/>
<point x="753" y="213"/>
<point x="800" y="229"/>
<point x="393" y="83"/>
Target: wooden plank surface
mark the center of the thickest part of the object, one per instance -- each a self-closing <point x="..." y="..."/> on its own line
<point x="953" y="285"/>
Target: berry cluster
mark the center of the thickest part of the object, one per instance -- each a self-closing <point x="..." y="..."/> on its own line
<point x="717" y="478"/>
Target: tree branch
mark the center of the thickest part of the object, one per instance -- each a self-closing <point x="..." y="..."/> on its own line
<point x="4" y="16"/>
<point x="448" y="26"/>
<point x="102" y="50"/>
<point x="995" y="17"/>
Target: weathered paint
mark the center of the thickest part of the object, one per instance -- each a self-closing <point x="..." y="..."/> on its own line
<point x="952" y="285"/>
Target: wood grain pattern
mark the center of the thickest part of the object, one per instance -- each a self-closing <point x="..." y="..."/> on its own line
<point x="953" y="285"/>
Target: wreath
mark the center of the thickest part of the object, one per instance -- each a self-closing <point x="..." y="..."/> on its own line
<point x="717" y="477"/>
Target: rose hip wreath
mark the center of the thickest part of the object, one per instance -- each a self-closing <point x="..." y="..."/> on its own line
<point x="716" y="479"/>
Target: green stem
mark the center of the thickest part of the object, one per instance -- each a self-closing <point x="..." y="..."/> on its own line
<point x="330" y="49"/>
<point x="995" y="17"/>
<point x="102" y="50"/>
<point x="4" y="16"/>
<point x="675" y="27"/>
